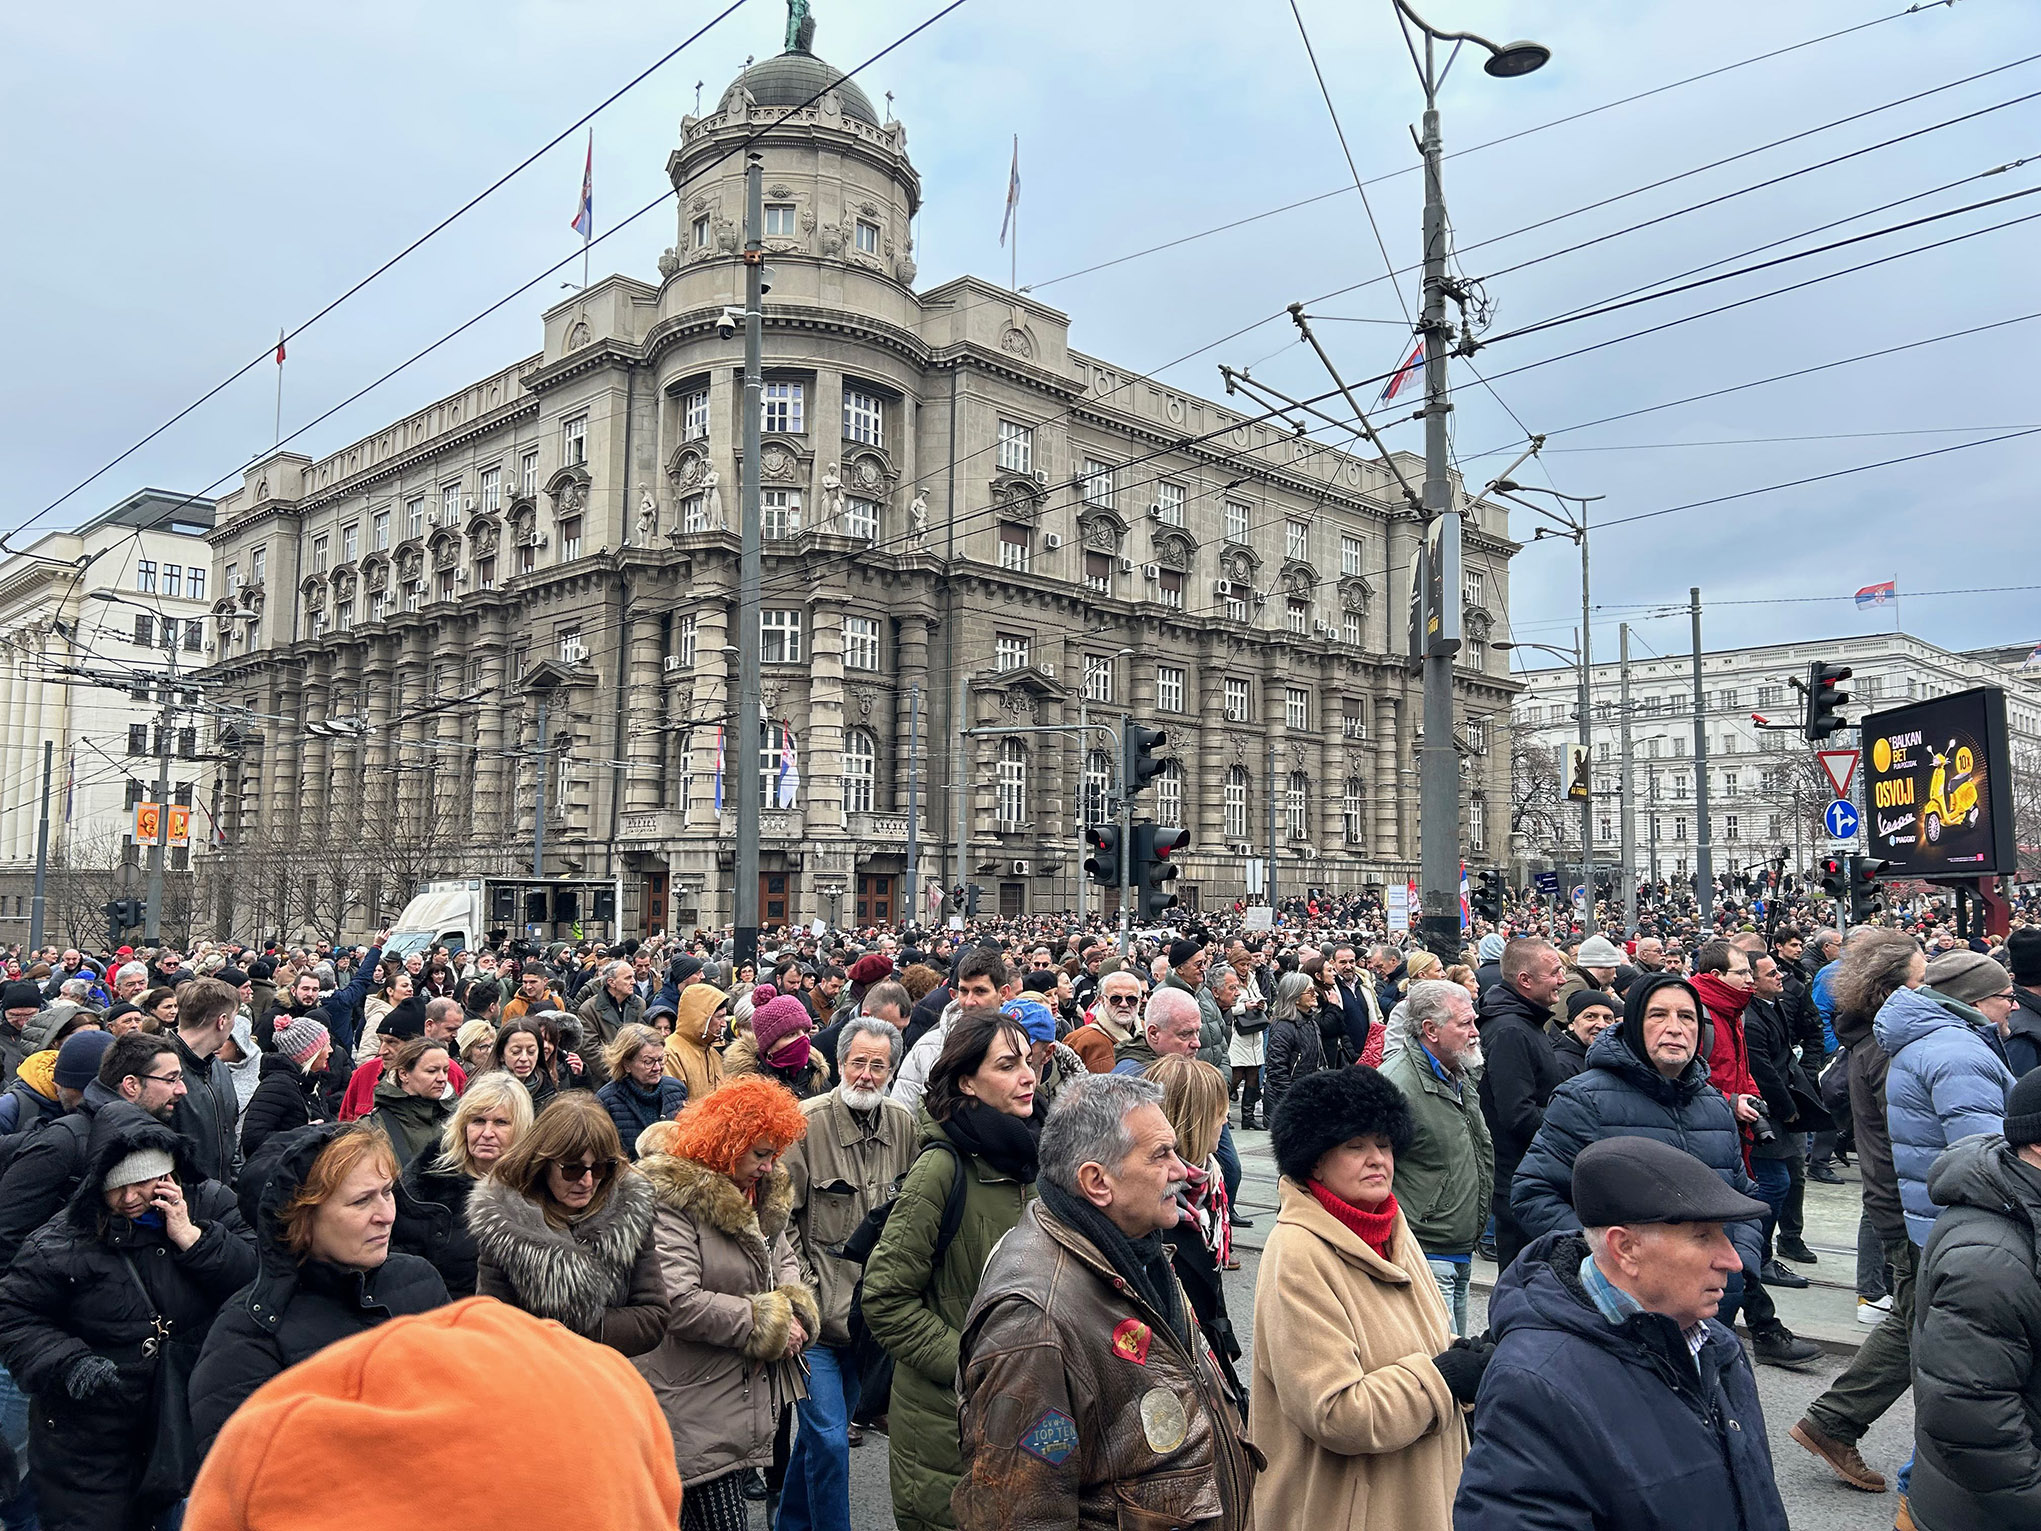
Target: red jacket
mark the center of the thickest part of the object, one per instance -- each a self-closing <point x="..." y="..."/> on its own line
<point x="359" y="1099"/>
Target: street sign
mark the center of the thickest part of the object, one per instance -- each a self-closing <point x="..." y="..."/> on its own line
<point x="1840" y="819"/>
<point x="1838" y="766"/>
<point x="1398" y="906"/>
<point x="1547" y="882"/>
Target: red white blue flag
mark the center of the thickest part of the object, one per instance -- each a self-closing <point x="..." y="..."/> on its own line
<point x="1012" y="193"/>
<point x="584" y="214"/>
<point x="790" y="770"/>
<point x="719" y="768"/>
<point x="1879" y="595"/>
<point x="1405" y="376"/>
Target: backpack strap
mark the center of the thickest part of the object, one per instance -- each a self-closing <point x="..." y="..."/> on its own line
<point x="953" y="1208"/>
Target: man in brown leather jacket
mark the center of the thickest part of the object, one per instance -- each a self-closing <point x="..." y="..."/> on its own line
<point x="1089" y="1393"/>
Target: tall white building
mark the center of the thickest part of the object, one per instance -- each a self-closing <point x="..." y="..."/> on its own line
<point x="1765" y="793"/>
<point x="87" y="618"/>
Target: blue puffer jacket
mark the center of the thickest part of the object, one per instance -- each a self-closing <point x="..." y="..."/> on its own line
<point x="633" y="1109"/>
<point x="1583" y="1423"/>
<point x="1947" y="1081"/>
<point x="1621" y="1095"/>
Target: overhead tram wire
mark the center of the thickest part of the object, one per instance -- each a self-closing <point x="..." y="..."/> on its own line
<point x="363" y="282"/>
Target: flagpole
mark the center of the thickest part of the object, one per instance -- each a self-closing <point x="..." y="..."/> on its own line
<point x="1895" y="604"/>
<point x="279" y="389"/>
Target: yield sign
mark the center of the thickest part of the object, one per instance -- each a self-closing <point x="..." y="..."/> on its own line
<point x="1839" y="766"/>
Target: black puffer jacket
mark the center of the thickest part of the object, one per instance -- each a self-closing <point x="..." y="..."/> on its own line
<point x="432" y="1223"/>
<point x="1295" y="1048"/>
<point x="1868" y="1065"/>
<point x="1520" y="1076"/>
<point x="47" y="1170"/>
<point x="70" y="1295"/>
<point x="1977" y="1368"/>
<point x="207" y="1114"/>
<point x="294" y="1308"/>
<point x="285" y="1099"/>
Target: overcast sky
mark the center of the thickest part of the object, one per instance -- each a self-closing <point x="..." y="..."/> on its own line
<point x="183" y="181"/>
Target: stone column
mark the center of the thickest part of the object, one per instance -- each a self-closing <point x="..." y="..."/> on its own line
<point x="378" y="780"/>
<point x="642" y="712"/>
<point x="450" y="779"/>
<point x="491" y="769"/>
<point x="315" y="791"/>
<point x="821" y="746"/>
<point x="1206" y="761"/>
<point x="911" y="667"/>
<point x="713" y="691"/>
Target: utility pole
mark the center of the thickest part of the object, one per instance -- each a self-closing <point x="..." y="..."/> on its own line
<point x="38" y="901"/>
<point x="1587" y="804"/>
<point x="961" y="754"/>
<point x="539" y="798"/>
<point x="913" y="804"/>
<point x="1626" y="803"/>
<point x="1704" y="860"/>
<point x="152" y="923"/>
<point x="750" y="571"/>
<point x="1270" y="880"/>
<point x="1083" y="760"/>
<point x="1126" y="835"/>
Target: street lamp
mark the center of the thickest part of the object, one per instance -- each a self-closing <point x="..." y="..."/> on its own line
<point x="1577" y="657"/>
<point x="1439" y="775"/>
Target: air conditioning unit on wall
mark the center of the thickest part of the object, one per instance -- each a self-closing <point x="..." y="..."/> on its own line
<point x="1022" y="868"/>
<point x="1052" y="541"/>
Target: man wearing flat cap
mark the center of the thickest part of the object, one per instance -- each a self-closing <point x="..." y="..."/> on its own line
<point x="1615" y="1397"/>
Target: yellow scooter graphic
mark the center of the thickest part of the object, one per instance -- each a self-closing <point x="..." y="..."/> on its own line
<point x="1946" y="807"/>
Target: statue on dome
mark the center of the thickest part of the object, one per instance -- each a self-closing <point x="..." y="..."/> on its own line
<point x="800" y="27"/>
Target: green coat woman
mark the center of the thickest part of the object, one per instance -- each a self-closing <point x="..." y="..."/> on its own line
<point x="411" y="1102"/>
<point x="977" y="1121"/>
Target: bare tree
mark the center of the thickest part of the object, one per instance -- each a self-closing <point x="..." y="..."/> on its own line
<point x="1536" y="807"/>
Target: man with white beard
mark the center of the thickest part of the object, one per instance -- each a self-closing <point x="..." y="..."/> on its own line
<point x="1444" y="1179"/>
<point x="859" y="1143"/>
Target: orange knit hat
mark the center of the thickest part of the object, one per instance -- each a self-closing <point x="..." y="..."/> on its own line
<point x="420" y="1400"/>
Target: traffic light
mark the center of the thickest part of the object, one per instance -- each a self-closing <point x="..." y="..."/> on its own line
<point x="1153" y="871"/>
<point x="971" y="896"/>
<point x="1102" y="866"/>
<point x="1488" y="894"/>
<point x="1141" y="766"/>
<point x="1835" y="876"/>
<point x="1824" y="697"/>
<point x="1866" y="897"/>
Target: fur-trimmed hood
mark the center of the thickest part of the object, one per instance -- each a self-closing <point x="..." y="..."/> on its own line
<point x="713" y="1197"/>
<point x="573" y="1273"/>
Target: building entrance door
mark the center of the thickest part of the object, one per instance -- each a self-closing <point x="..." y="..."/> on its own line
<point x="774" y="898"/>
<point x="875" y="898"/>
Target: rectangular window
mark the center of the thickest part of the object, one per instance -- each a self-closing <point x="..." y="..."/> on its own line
<point x="379" y="531"/>
<point x="528" y="474"/>
<point x="414" y="517"/>
<point x="570" y="539"/>
<point x="258" y="566"/>
<point x="168" y="632"/>
<point x="1729" y="830"/>
<point x="861" y="643"/>
<point x="318" y="557"/>
<point x="1477" y="735"/>
<point x="485" y="574"/>
<point x="782" y="410"/>
<point x="1236" y="700"/>
<point x="694" y="416"/>
<point x="379" y="605"/>
<point x="138" y="738"/>
<point x="864" y="417"/>
<point x="350" y="543"/>
<point x="867" y="237"/>
<point x="1350" y="555"/>
<point x="574" y="441"/>
<point x="1471" y="586"/>
<point x="572" y="649"/>
<point x="414" y="595"/>
<point x="1016" y="547"/>
<point x="779" y="513"/>
<point x="1016" y="447"/>
<point x="1679" y="829"/>
<point x="145" y="575"/>
<point x="779" y="220"/>
<point x="446" y="585"/>
<point x="1098" y="677"/>
<point x="1350" y="628"/>
<point x="1169" y="588"/>
<point x="1098" y="483"/>
<point x="194" y="637"/>
<point x="1169" y="503"/>
<point x="1477" y="824"/>
<point x="173" y="579"/>
<point x="1169" y="688"/>
<point x="343" y="612"/>
<point x="450" y="504"/>
<point x="701" y="231"/>
<point x="1297" y="539"/>
<point x="861" y="519"/>
<point x="197" y="583"/>
<point x="1236" y="609"/>
<point x="779" y="636"/>
<point x="687" y="643"/>
<point x="1236" y="521"/>
<point x="694" y="513"/>
<point x="1010" y="651"/>
<point x="1098" y="573"/>
<point x="492" y="491"/>
<point x="1297" y="616"/>
<point x="1296" y="707"/>
<point x="145" y="630"/>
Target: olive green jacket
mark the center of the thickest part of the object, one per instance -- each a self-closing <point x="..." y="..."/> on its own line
<point x="840" y="1171"/>
<point x="1443" y="1180"/>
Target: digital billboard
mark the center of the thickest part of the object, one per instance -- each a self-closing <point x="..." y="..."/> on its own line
<point x="1938" y="789"/>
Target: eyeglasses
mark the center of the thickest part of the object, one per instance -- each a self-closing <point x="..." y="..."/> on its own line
<point x="600" y="1169"/>
<point x="2008" y="996"/>
<point x="163" y="1078"/>
<point x="1123" y="1001"/>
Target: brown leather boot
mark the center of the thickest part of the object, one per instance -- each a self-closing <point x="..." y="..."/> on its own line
<point x="1843" y="1460"/>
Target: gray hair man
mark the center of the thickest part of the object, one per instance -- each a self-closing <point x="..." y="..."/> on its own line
<point x="130" y="979"/>
<point x="858" y="1144"/>
<point x="613" y="1005"/>
<point x="1172" y="1023"/>
<point x="1084" y="1379"/>
<point x="1446" y="1178"/>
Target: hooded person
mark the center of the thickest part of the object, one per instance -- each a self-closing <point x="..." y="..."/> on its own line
<point x="692" y="1054"/>
<point x="778" y="1045"/>
<point x="288" y="1095"/>
<point x="2023" y="1025"/>
<point x="1488" y="957"/>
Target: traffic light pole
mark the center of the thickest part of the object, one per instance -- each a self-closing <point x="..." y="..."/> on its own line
<point x="750" y="575"/>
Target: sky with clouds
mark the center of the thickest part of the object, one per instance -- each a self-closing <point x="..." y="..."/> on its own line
<point x="185" y="181"/>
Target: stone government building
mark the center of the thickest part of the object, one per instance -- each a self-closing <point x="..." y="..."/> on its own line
<point x="958" y="506"/>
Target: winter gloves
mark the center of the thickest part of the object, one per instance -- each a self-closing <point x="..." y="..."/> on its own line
<point x="1462" y="1367"/>
<point x="89" y="1376"/>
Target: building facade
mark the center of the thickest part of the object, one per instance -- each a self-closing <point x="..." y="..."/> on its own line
<point x="93" y="622"/>
<point x="1766" y="793"/>
<point x="509" y="617"/>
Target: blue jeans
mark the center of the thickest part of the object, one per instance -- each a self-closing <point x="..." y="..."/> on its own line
<point x="1774" y="1179"/>
<point x="1454" y="1277"/>
<point x="18" y="1513"/>
<point x="817" y="1489"/>
<point x="1229" y="1162"/>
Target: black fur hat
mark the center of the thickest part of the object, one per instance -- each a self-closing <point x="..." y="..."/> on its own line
<point x="1321" y="1111"/>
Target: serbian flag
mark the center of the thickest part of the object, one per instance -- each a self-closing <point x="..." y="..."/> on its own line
<point x="1879" y="595"/>
<point x="1012" y="192"/>
<point x="279" y="348"/>
<point x="584" y="214"/>
<point x="719" y="768"/>
<point x="2032" y="662"/>
<point x="1404" y="376"/>
<point x="790" y="770"/>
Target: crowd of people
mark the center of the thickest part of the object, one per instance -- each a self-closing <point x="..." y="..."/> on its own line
<point x="979" y="1190"/>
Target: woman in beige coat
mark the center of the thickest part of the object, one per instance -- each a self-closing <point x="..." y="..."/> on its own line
<point x="738" y="1316"/>
<point x="1359" y="1387"/>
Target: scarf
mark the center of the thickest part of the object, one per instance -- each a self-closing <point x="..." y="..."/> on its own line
<point x="1007" y="1143"/>
<point x="1205" y="1205"/>
<point x="1375" y="1229"/>
<point x="1723" y="1000"/>
<point x="1142" y="1263"/>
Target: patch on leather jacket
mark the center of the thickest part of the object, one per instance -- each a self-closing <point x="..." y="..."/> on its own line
<point x="1130" y="1341"/>
<point x="1052" y="1437"/>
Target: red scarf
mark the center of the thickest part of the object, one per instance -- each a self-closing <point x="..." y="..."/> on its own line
<point x="1375" y="1229"/>
<point x="1723" y="1000"/>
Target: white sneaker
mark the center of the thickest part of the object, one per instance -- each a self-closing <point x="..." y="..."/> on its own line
<point x="1872" y="1310"/>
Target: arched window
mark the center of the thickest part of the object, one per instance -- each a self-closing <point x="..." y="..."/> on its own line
<point x="1169" y="796"/>
<point x="860" y="768"/>
<point x="1098" y="786"/>
<point x="1353" y="810"/>
<point x="1297" y="805"/>
<point x="1012" y="800"/>
<point x="1236" y="802"/>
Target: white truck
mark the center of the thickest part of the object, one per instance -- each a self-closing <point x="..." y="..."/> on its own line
<point x="460" y="912"/>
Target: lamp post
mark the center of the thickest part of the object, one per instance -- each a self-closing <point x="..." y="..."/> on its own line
<point x="1577" y="657"/>
<point x="1439" y="776"/>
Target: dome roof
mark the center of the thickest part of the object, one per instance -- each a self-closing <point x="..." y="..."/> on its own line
<point x="793" y="78"/>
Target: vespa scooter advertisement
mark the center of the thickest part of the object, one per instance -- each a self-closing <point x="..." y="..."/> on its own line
<point x="1938" y="786"/>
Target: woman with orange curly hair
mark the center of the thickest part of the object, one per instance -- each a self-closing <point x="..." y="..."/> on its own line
<point x="738" y="1315"/>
